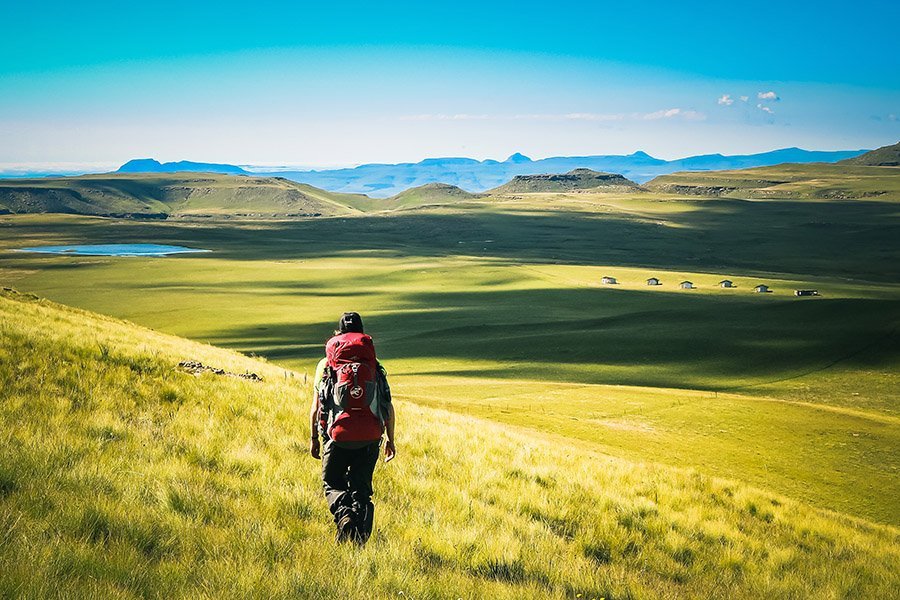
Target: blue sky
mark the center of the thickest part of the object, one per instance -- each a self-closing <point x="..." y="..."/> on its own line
<point x="344" y="83"/>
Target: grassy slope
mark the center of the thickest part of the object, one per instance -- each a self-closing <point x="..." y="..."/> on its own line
<point x="430" y="194"/>
<point x="886" y="156"/>
<point x="120" y="477"/>
<point x="178" y="194"/>
<point x="788" y="181"/>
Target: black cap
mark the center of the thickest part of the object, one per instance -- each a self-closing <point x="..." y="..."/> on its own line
<point x="350" y="322"/>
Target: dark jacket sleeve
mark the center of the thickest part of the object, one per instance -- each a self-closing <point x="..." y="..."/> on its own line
<point x="384" y="389"/>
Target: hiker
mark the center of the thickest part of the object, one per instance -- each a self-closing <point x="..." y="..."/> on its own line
<point x="351" y="409"/>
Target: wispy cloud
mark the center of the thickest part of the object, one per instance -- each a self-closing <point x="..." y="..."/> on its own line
<point x="56" y="167"/>
<point x="671" y="113"/>
<point x="689" y="115"/>
<point x="444" y="117"/>
<point x="726" y="100"/>
<point x="571" y="117"/>
<point x="768" y="96"/>
<point x="765" y="109"/>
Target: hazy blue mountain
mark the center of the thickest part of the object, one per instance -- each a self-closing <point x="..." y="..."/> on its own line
<point x="717" y="162"/>
<point x="149" y="165"/>
<point x="384" y="180"/>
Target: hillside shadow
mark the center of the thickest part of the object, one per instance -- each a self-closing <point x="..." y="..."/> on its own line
<point x="822" y="239"/>
<point x="593" y="337"/>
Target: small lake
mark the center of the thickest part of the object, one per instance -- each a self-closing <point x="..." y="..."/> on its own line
<point x="113" y="250"/>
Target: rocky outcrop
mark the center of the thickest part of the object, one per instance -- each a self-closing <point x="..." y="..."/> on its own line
<point x="195" y="367"/>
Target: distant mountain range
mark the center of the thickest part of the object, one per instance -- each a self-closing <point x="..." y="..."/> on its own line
<point x="384" y="180"/>
<point x="162" y="194"/>
<point x="149" y="165"/>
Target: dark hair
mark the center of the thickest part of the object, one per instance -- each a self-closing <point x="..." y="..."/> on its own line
<point x="350" y="322"/>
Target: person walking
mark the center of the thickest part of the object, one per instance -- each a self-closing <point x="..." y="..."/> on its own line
<point x="351" y="410"/>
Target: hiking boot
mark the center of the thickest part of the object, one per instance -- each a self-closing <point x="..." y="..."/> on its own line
<point x="365" y="517"/>
<point x="346" y="529"/>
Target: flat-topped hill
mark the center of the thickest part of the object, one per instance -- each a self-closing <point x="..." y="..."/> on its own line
<point x="154" y="195"/>
<point x="577" y="179"/>
<point x="150" y="165"/>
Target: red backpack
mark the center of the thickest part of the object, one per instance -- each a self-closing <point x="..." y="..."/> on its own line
<point x="349" y="403"/>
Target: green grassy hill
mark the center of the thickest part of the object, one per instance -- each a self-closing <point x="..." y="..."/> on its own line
<point x="430" y="194"/>
<point x="577" y="179"/>
<point x="886" y="156"/>
<point x="171" y="194"/>
<point x="788" y="181"/>
<point x="122" y="477"/>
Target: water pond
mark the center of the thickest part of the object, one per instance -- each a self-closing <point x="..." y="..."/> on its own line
<point x="113" y="250"/>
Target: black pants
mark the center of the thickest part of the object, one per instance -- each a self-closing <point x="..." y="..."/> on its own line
<point x="347" y="479"/>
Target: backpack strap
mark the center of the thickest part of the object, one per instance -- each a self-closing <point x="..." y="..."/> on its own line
<point x="326" y="400"/>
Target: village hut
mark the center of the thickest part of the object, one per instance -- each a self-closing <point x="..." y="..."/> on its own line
<point x="653" y="281"/>
<point x="726" y="283"/>
<point x="686" y="285"/>
<point x="806" y="292"/>
<point x="762" y="289"/>
<point x="609" y="281"/>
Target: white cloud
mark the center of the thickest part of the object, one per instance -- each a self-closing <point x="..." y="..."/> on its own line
<point x="772" y="96"/>
<point x="726" y="100"/>
<point x="744" y="98"/>
<point x="690" y="115"/>
<point x="593" y="117"/>
<point x="570" y="117"/>
<point x="765" y="108"/>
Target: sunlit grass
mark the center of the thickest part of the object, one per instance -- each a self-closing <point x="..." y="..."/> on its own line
<point x="123" y="477"/>
<point x="517" y="311"/>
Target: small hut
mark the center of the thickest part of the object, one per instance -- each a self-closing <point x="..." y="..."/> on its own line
<point x="686" y="285"/>
<point x="762" y="289"/>
<point x="653" y="281"/>
<point x="806" y="292"/>
<point x="726" y="283"/>
<point x="609" y="281"/>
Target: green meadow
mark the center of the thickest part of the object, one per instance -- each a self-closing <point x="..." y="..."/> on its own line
<point x="617" y="440"/>
<point x="817" y="181"/>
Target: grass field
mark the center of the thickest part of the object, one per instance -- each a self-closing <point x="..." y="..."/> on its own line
<point x="789" y="181"/>
<point x="122" y="477"/>
<point x="490" y="315"/>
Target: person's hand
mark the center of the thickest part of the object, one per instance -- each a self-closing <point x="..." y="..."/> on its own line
<point x="389" y="451"/>
<point x="314" y="448"/>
